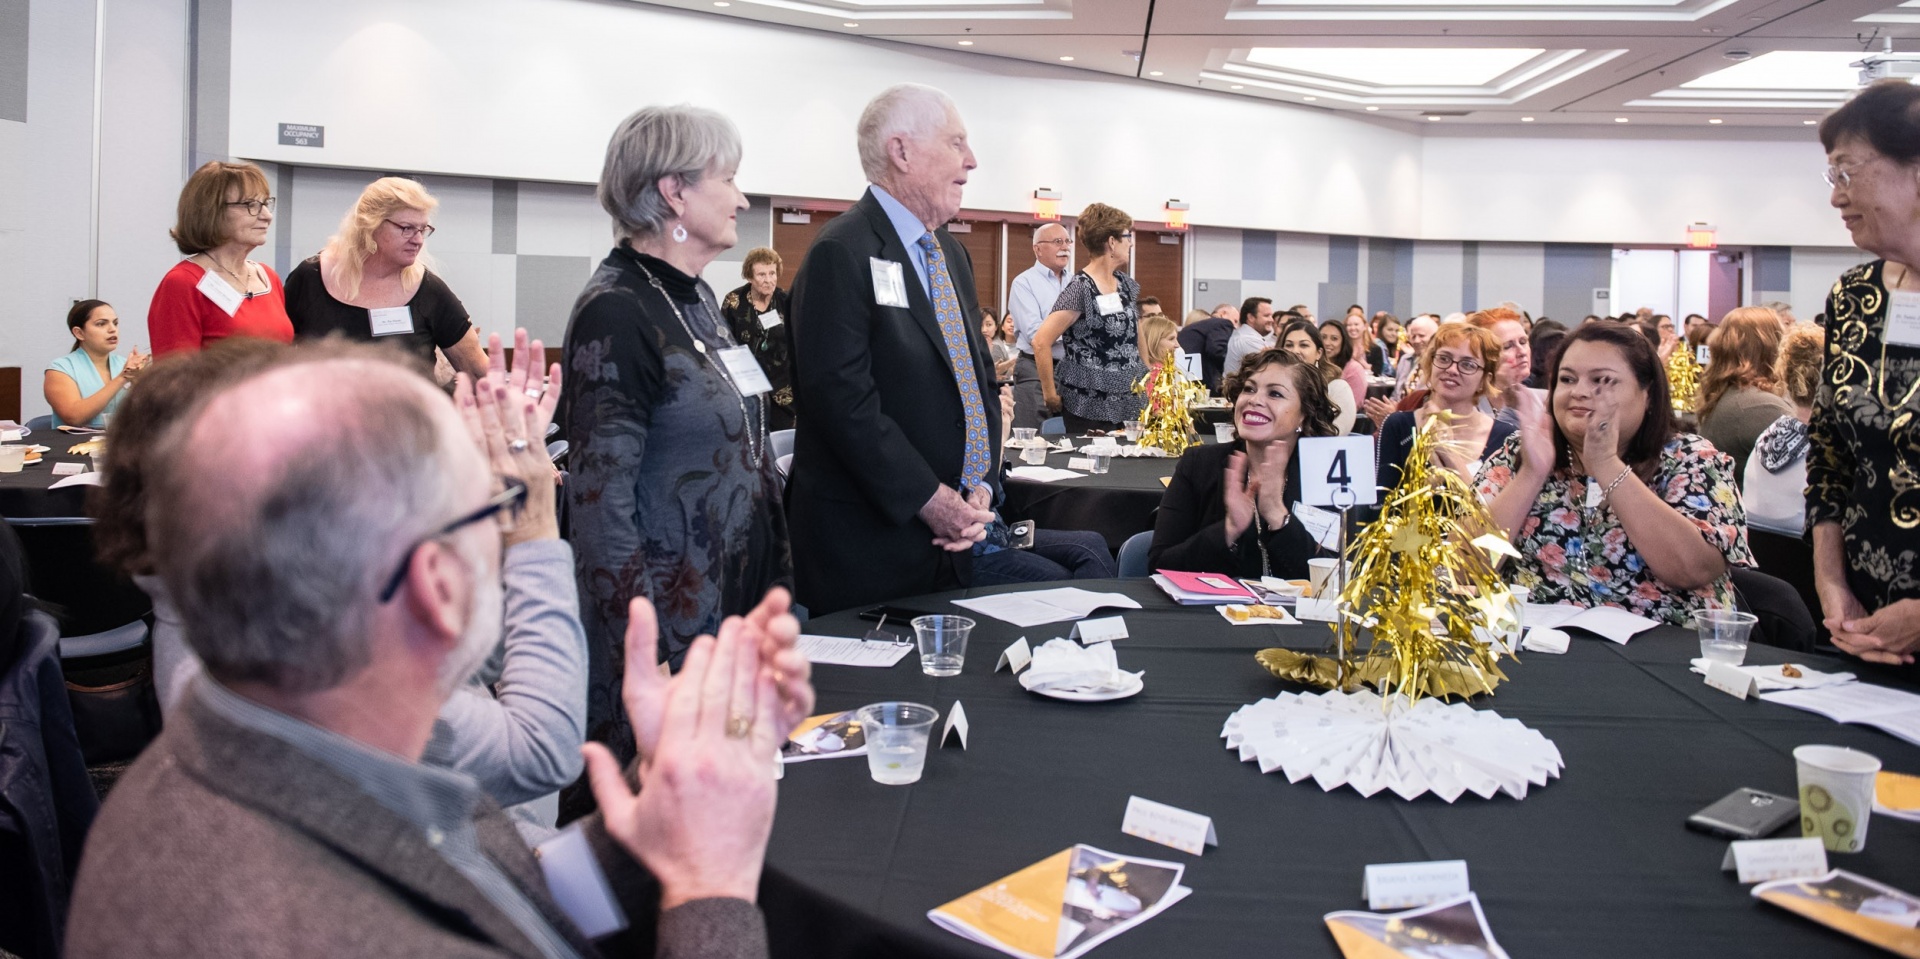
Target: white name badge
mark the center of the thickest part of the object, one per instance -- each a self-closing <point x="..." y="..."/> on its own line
<point x="889" y="282"/>
<point x="1337" y="471"/>
<point x="1104" y="630"/>
<point x="1018" y="656"/>
<point x="1169" y="826"/>
<point x="957" y="720"/>
<point x="1107" y="303"/>
<point x="1764" y="860"/>
<point x="770" y="319"/>
<point x="745" y="371"/>
<point x="391" y="321"/>
<point x="223" y="296"/>
<point x="1903" y="319"/>
<point x="1402" y="884"/>
<point x="578" y="886"/>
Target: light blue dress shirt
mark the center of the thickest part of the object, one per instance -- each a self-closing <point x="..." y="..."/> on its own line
<point x="79" y="366"/>
<point x="911" y="230"/>
<point x="1030" y="300"/>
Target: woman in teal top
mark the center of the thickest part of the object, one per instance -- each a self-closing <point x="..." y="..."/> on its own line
<point x="83" y="387"/>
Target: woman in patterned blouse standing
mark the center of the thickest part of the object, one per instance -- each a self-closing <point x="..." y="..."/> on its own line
<point x="672" y="491"/>
<point x="1097" y="316"/>
<point x="1863" y="465"/>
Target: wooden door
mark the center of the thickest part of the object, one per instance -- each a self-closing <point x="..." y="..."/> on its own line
<point x="1160" y="267"/>
<point x="792" y="240"/>
<point x="982" y="240"/>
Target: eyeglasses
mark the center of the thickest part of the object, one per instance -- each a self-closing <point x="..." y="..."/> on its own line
<point x="1060" y="241"/>
<point x="512" y="498"/>
<point x="408" y="230"/>
<point x="1838" y="177"/>
<point x="1445" y="361"/>
<point x="255" y="206"/>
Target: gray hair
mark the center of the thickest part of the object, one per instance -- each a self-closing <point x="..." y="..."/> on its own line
<point x="683" y="141"/>
<point x="1781" y="307"/>
<point x="276" y="575"/>
<point x="913" y="110"/>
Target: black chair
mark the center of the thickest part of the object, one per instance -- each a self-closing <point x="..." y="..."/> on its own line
<point x="1789" y="558"/>
<point x="1784" y="619"/>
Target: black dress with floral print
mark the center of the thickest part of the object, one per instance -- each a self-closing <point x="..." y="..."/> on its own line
<point x="671" y="492"/>
<point x="1863" y="458"/>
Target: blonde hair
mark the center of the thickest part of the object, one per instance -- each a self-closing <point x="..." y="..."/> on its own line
<point x="1803" y="350"/>
<point x="1153" y="329"/>
<point x="349" y="248"/>
<point x="1741" y="352"/>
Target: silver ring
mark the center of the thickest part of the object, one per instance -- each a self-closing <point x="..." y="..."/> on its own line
<point x="518" y="446"/>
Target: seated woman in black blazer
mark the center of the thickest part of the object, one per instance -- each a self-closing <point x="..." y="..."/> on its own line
<point x="1229" y="507"/>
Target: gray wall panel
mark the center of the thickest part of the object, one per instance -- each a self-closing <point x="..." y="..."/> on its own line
<point x="1573" y="272"/>
<point x="13" y="60"/>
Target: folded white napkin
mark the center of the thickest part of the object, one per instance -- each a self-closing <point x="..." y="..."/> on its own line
<point x="1769" y="678"/>
<point x="1541" y="639"/>
<point x="1063" y="664"/>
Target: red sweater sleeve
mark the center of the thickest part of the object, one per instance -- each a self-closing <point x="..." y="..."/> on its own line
<point x="173" y="318"/>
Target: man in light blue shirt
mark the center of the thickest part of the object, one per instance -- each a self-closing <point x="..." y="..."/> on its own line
<point x="1030" y="300"/>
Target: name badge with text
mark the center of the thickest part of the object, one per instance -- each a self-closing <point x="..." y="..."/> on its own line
<point x="889" y="282"/>
<point x="745" y="371"/>
<point x="391" y="321"/>
<point x="1108" y="304"/>
<point x="770" y="319"/>
<point x="1903" y="319"/>
<point x="223" y="296"/>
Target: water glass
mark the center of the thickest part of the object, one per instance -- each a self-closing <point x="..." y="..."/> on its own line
<point x="943" y="643"/>
<point x="897" y="737"/>
<point x="1836" y="795"/>
<point x="1023" y="434"/>
<point x="1034" y="455"/>
<point x="1723" y="634"/>
<point x="1101" y="461"/>
<point x="1135" y="429"/>
<point x="1223" y="432"/>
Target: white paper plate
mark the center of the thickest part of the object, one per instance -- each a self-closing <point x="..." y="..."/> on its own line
<point x="1132" y="685"/>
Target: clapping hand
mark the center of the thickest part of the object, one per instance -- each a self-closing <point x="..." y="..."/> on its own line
<point x="1600" y="452"/>
<point x="1242" y="496"/>
<point x="1536" y="433"/>
<point x="1378" y="409"/>
<point x="137" y="362"/>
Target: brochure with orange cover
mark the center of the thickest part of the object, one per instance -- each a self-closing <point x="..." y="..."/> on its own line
<point x="826" y="736"/>
<point x="1453" y="929"/>
<point x="1866" y="910"/>
<point x="1065" y="904"/>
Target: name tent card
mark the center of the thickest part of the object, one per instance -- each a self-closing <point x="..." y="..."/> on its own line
<point x="1080" y="462"/>
<point x="1317" y="610"/>
<point x="1103" y="630"/>
<point x="1763" y="860"/>
<point x="1399" y="885"/>
<point x="1169" y="825"/>
<point x="956" y="720"/>
<point x="1732" y="680"/>
<point x="1019" y="656"/>
<point x="69" y="469"/>
<point x="1337" y="471"/>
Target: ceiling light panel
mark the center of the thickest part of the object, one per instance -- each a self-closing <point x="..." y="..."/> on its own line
<point x="1426" y="66"/>
<point x="1685" y="11"/>
<point x="926" y="9"/>
<point x="1423" y="77"/>
<point x="1785" y="70"/>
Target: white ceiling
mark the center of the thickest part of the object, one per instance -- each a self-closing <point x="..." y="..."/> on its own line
<point x="1650" y="62"/>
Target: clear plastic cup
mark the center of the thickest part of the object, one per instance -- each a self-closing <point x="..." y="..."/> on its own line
<point x="1021" y="434"/>
<point x="1836" y="795"/>
<point x="1034" y="455"/>
<point x="1135" y="429"/>
<point x="897" y="736"/>
<point x="1723" y="634"/>
<point x="13" y="459"/>
<point x="1223" y="432"/>
<point x="1102" y="461"/>
<point x="943" y="643"/>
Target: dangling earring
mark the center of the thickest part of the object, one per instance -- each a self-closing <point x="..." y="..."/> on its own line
<point x="679" y="233"/>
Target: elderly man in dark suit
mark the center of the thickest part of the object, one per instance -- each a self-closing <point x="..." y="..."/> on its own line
<point x="896" y="461"/>
<point x="339" y="577"/>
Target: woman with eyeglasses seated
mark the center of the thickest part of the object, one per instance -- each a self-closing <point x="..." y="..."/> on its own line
<point x="217" y="292"/>
<point x="371" y="281"/>
<point x="1459" y="367"/>
<point x="1229" y="507"/>
<point x="1606" y="502"/>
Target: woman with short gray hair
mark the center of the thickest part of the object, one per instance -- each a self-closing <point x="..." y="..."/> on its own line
<point x="673" y="494"/>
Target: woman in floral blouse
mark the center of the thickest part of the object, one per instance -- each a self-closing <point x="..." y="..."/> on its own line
<point x="1606" y="503"/>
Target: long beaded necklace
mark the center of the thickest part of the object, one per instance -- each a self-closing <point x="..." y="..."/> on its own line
<point x="753" y="426"/>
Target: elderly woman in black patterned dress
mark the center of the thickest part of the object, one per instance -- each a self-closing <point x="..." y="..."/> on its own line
<point x="673" y="494"/>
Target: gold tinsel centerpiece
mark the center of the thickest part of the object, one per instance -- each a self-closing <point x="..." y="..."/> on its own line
<point x="1683" y="379"/>
<point x="1425" y="584"/>
<point x="1167" y="424"/>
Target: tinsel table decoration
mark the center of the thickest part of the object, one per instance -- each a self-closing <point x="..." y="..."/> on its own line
<point x="1683" y="379"/>
<point x="1167" y="423"/>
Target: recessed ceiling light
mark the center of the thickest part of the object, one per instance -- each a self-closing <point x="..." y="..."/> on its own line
<point x="849" y="23"/>
<point x="1619" y="119"/>
<point x="1066" y="59"/>
<point x="1239" y="87"/>
<point x="1310" y="99"/>
<point x="1373" y="109"/>
<point x="1526" y="119"/>
<point x="1808" y="122"/>
<point x="1714" y="120"/>
<point x="1155" y="73"/>
<point x="966" y="43"/>
<point x="1433" y="119"/>
<point x="721" y="3"/>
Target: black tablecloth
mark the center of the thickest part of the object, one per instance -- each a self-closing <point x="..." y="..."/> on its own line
<point x="1596" y="863"/>
<point x="1116" y="504"/>
<point x="24" y="496"/>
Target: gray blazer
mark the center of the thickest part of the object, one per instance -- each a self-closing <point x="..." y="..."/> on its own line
<point x="221" y="841"/>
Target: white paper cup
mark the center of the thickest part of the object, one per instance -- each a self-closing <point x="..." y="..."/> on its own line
<point x="1319" y="574"/>
<point x="1836" y="795"/>
<point x="1223" y="432"/>
<point x="897" y="739"/>
<point x="13" y="459"/>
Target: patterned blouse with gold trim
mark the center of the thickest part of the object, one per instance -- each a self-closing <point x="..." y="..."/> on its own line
<point x="1863" y="467"/>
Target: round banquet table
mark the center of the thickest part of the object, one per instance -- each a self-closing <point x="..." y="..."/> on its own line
<point x="1595" y="863"/>
<point x="24" y="496"/>
<point x="1116" y="504"/>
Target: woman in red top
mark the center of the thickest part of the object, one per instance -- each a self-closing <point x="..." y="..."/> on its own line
<point x="216" y="292"/>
